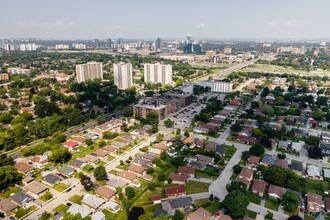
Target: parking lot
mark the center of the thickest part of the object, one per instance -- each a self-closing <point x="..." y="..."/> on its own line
<point x="182" y="119"/>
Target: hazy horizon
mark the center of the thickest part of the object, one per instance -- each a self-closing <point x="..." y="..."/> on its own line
<point x="145" y="19"/>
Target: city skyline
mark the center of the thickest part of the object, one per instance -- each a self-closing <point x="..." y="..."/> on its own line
<point x="170" y="19"/>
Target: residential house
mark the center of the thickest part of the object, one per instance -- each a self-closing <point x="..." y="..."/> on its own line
<point x="326" y="174"/>
<point x="117" y="144"/>
<point x="314" y="202"/>
<point x="90" y="159"/>
<point x="92" y="202"/>
<point x="7" y="206"/>
<point x="79" y="164"/>
<point x="246" y="139"/>
<point x="162" y="147"/>
<point x="183" y="204"/>
<point x="101" y="153"/>
<point x="39" y="161"/>
<point x="253" y="161"/>
<point x="327" y="205"/>
<point x="109" y="148"/>
<point x="276" y="192"/>
<point x="27" y="180"/>
<point x="24" y="168"/>
<point x="178" y="178"/>
<point x="142" y="162"/>
<point x="36" y="189"/>
<point x="313" y="172"/>
<point x="205" y="159"/>
<point x="283" y="144"/>
<point x="297" y="167"/>
<point x="245" y="176"/>
<point x="199" y="142"/>
<point x="268" y="160"/>
<point x="175" y="191"/>
<point x="22" y="199"/>
<point x="113" y="206"/>
<point x="51" y="179"/>
<point x="66" y="171"/>
<point x="98" y="216"/>
<point x="197" y="165"/>
<point x="156" y="198"/>
<point x="183" y="170"/>
<point x="148" y="156"/>
<point x="189" y="140"/>
<point x="115" y="182"/>
<point x="80" y="140"/>
<point x="200" y="214"/>
<point x="137" y="169"/>
<point x="282" y="163"/>
<point x="200" y="130"/>
<point x="127" y="175"/>
<point x="297" y="146"/>
<point x="71" y="145"/>
<point x="259" y="187"/>
<point x="75" y="209"/>
<point x="155" y="151"/>
<point x="105" y="192"/>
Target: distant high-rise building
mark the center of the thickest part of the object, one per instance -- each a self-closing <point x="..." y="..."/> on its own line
<point x="109" y="43"/>
<point x="189" y="39"/>
<point x="61" y="47"/>
<point x="89" y="71"/>
<point x="9" y="47"/>
<point x="123" y="75"/>
<point x="17" y="70"/>
<point x="120" y="42"/>
<point x="158" y="44"/>
<point x="192" y="49"/>
<point x="158" y="73"/>
<point x="97" y="43"/>
<point x="79" y="46"/>
<point x="27" y="47"/>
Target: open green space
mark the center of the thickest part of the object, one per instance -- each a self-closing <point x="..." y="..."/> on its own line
<point x="61" y="208"/>
<point x="213" y="206"/>
<point x="316" y="186"/>
<point x="202" y="174"/>
<point x="22" y="212"/>
<point x="144" y="199"/>
<point x="60" y="187"/>
<point x="251" y="214"/>
<point x="271" y="204"/>
<point x="76" y="199"/>
<point x="193" y="187"/>
<point x="152" y="207"/>
<point x="108" y="215"/>
<point x="254" y="198"/>
<point x="11" y="190"/>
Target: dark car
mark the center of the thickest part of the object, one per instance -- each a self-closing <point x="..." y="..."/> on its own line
<point x="68" y="204"/>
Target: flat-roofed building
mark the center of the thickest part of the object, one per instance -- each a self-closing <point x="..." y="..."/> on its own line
<point x="123" y="75"/>
<point x="144" y="109"/>
<point x="89" y="71"/>
<point x="158" y="73"/>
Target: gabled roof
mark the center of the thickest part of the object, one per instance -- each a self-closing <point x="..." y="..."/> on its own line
<point x="314" y="198"/>
<point x="282" y="163"/>
<point x="199" y="214"/>
<point x="24" y="167"/>
<point x="7" y="206"/>
<point x="36" y="187"/>
<point x="254" y="160"/>
<point x="75" y="209"/>
<point x="186" y="170"/>
<point x="105" y="192"/>
<point x="77" y="163"/>
<point x="204" y="158"/>
<point x="51" y="179"/>
<point x="92" y="201"/>
<point x="175" y="190"/>
<point x="178" y="177"/>
<point x="21" y="198"/>
<point x="297" y="166"/>
<point x="66" y="170"/>
<point x="181" y="202"/>
<point x="127" y="175"/>
<point x="268" y="159"/>
<point x="276" y="190"/>
<point x="259" y="186"/>
<point x="136" y="168"/>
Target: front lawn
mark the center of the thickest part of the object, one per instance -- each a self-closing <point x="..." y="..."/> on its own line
<point x="110" y="158"/>
<point x="61" y="208"/>
<point x="22" y="212"/>
<point x="316" y="186"/>
<point x="11" y="190"/>
<point x="108" y="215"/>
<point x="272" y="204"/>
<point x="88" y="168"/>
<point x="229" y="151"/>
<point x="60" y="187"/>
<point x="193" y="187"/>
<point x="101" y="163"/>
<point x="309" y="217"/>
<point x="144" y="199"/>
<point x="251" y="214"/>
<point x="123" y="167"/>
<point x="202" y="174"/>
<point x="76" y="199"/>
<point x="213" y="206"/>
<point x="151" y="208"/>
<point x="254" y="198"/>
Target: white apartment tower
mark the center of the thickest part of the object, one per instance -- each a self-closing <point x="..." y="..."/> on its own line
<point x="89" y="71"/>
<point x="123" y="75"/>
<point x="158" y="73"/>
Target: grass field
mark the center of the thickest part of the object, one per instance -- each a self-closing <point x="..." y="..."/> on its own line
<point x="21" y="212"/>
<point x="76" y="199"/>
<point x="60" y="187"/>
<point x="309" y="217"/>
<point x="144" y="199"/>
<point x="11" y="190"/>
<point x="193" y="187"/>
<point x="272" y="205"/>
<point x="251" y="214"/>
<point x="254" y="198"/>
<point x="229" y="151"/>
<point x="61" y="208"/>
<point x="205" y="175"/>
<point x="213" y="206"/>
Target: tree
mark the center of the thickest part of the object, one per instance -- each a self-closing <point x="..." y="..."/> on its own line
<point x="269" y="215"/>
<point x="9" y="177"/>
<point x="130" y="192"/>
<point x="279" y="100"/>
<point x="294" y="217"/>
<point x="235" y="185"/>
<point x="322" y="100"/>
<point x="178" y="215"/>
<point x="236" y="127"/>
<point x="128" y="112"/>
<point x="186" y="133"/>
<point x="168" y="123"/>
<point x="86" y="182"/>
<point x="257" y="150"/>
<point x="6" y="118"/>
<point x="269" y="111"/>
<point x="236" y="203"/>
<point x="89" y="141"/>
<point x="162" y="177"/>
<point x="110" y="135"/>
<point x="60" y="155"/>
<point x="281" y="156"/>
<point x="100" y="173"/>
<point x="178" y="131"/>
<point x="48" y="195"/>
<point x="265" y="92"/>
<point x="147" y="216"/>
<point x="318" y="115"/>
<point x="124" y="127"/>
<point x="290" y="201"/>
<point x="44" y="216"/>
<point x="5" y="160"/>
<point x="276" y="175"/>
<point x="266" y="142"/>
<point x="315" y="152"/>
<point x="237" y="168"/>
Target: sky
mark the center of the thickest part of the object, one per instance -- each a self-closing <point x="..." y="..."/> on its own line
<point x="82" y="19"/>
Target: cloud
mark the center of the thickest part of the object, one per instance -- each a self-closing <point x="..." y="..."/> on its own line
<point x="274" y="23"/>
<point x="46" y="24"/>
<point x="119" y="28"/>
<point x="292" y="23"/>
<point x="200" y="25"/>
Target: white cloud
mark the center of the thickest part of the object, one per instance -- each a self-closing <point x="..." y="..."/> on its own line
<point x="274" y="23"/>
<point x="200" y="25"/>
<point x="292" y="23"/>
<point x="46" y="24"/>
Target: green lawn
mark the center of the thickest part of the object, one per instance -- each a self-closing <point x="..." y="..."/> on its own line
<point x="22" y="212"/>
<point x="202" y="202"/>
<point x="122" y="215"/>
<point x="88" y="168"/>
<point x="101" y="163"/>
<point x="193" y="187"/>
<point x="61" y="208"/>
<point x="254" y="198"/>
<point x="315" y="186"/>
<point x="309" y="217"/>
<point x="205" y="175"/>
<point x="83" y="152"/>
<point x="251" y="214"/>
<point x="151" y="208"/>
<point x="144" y="199"/>
<point x="60" y="187"/>
<point x="123" y="167"/>
<point x="272" y="205"/>
<point x="110" y="158"/>
<point x="76" y="199"/>
<point x="11" y="190"/>
<point x="213" y="206"/>
<point x="229" y="151"/>
<point x="108" y="215"/>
